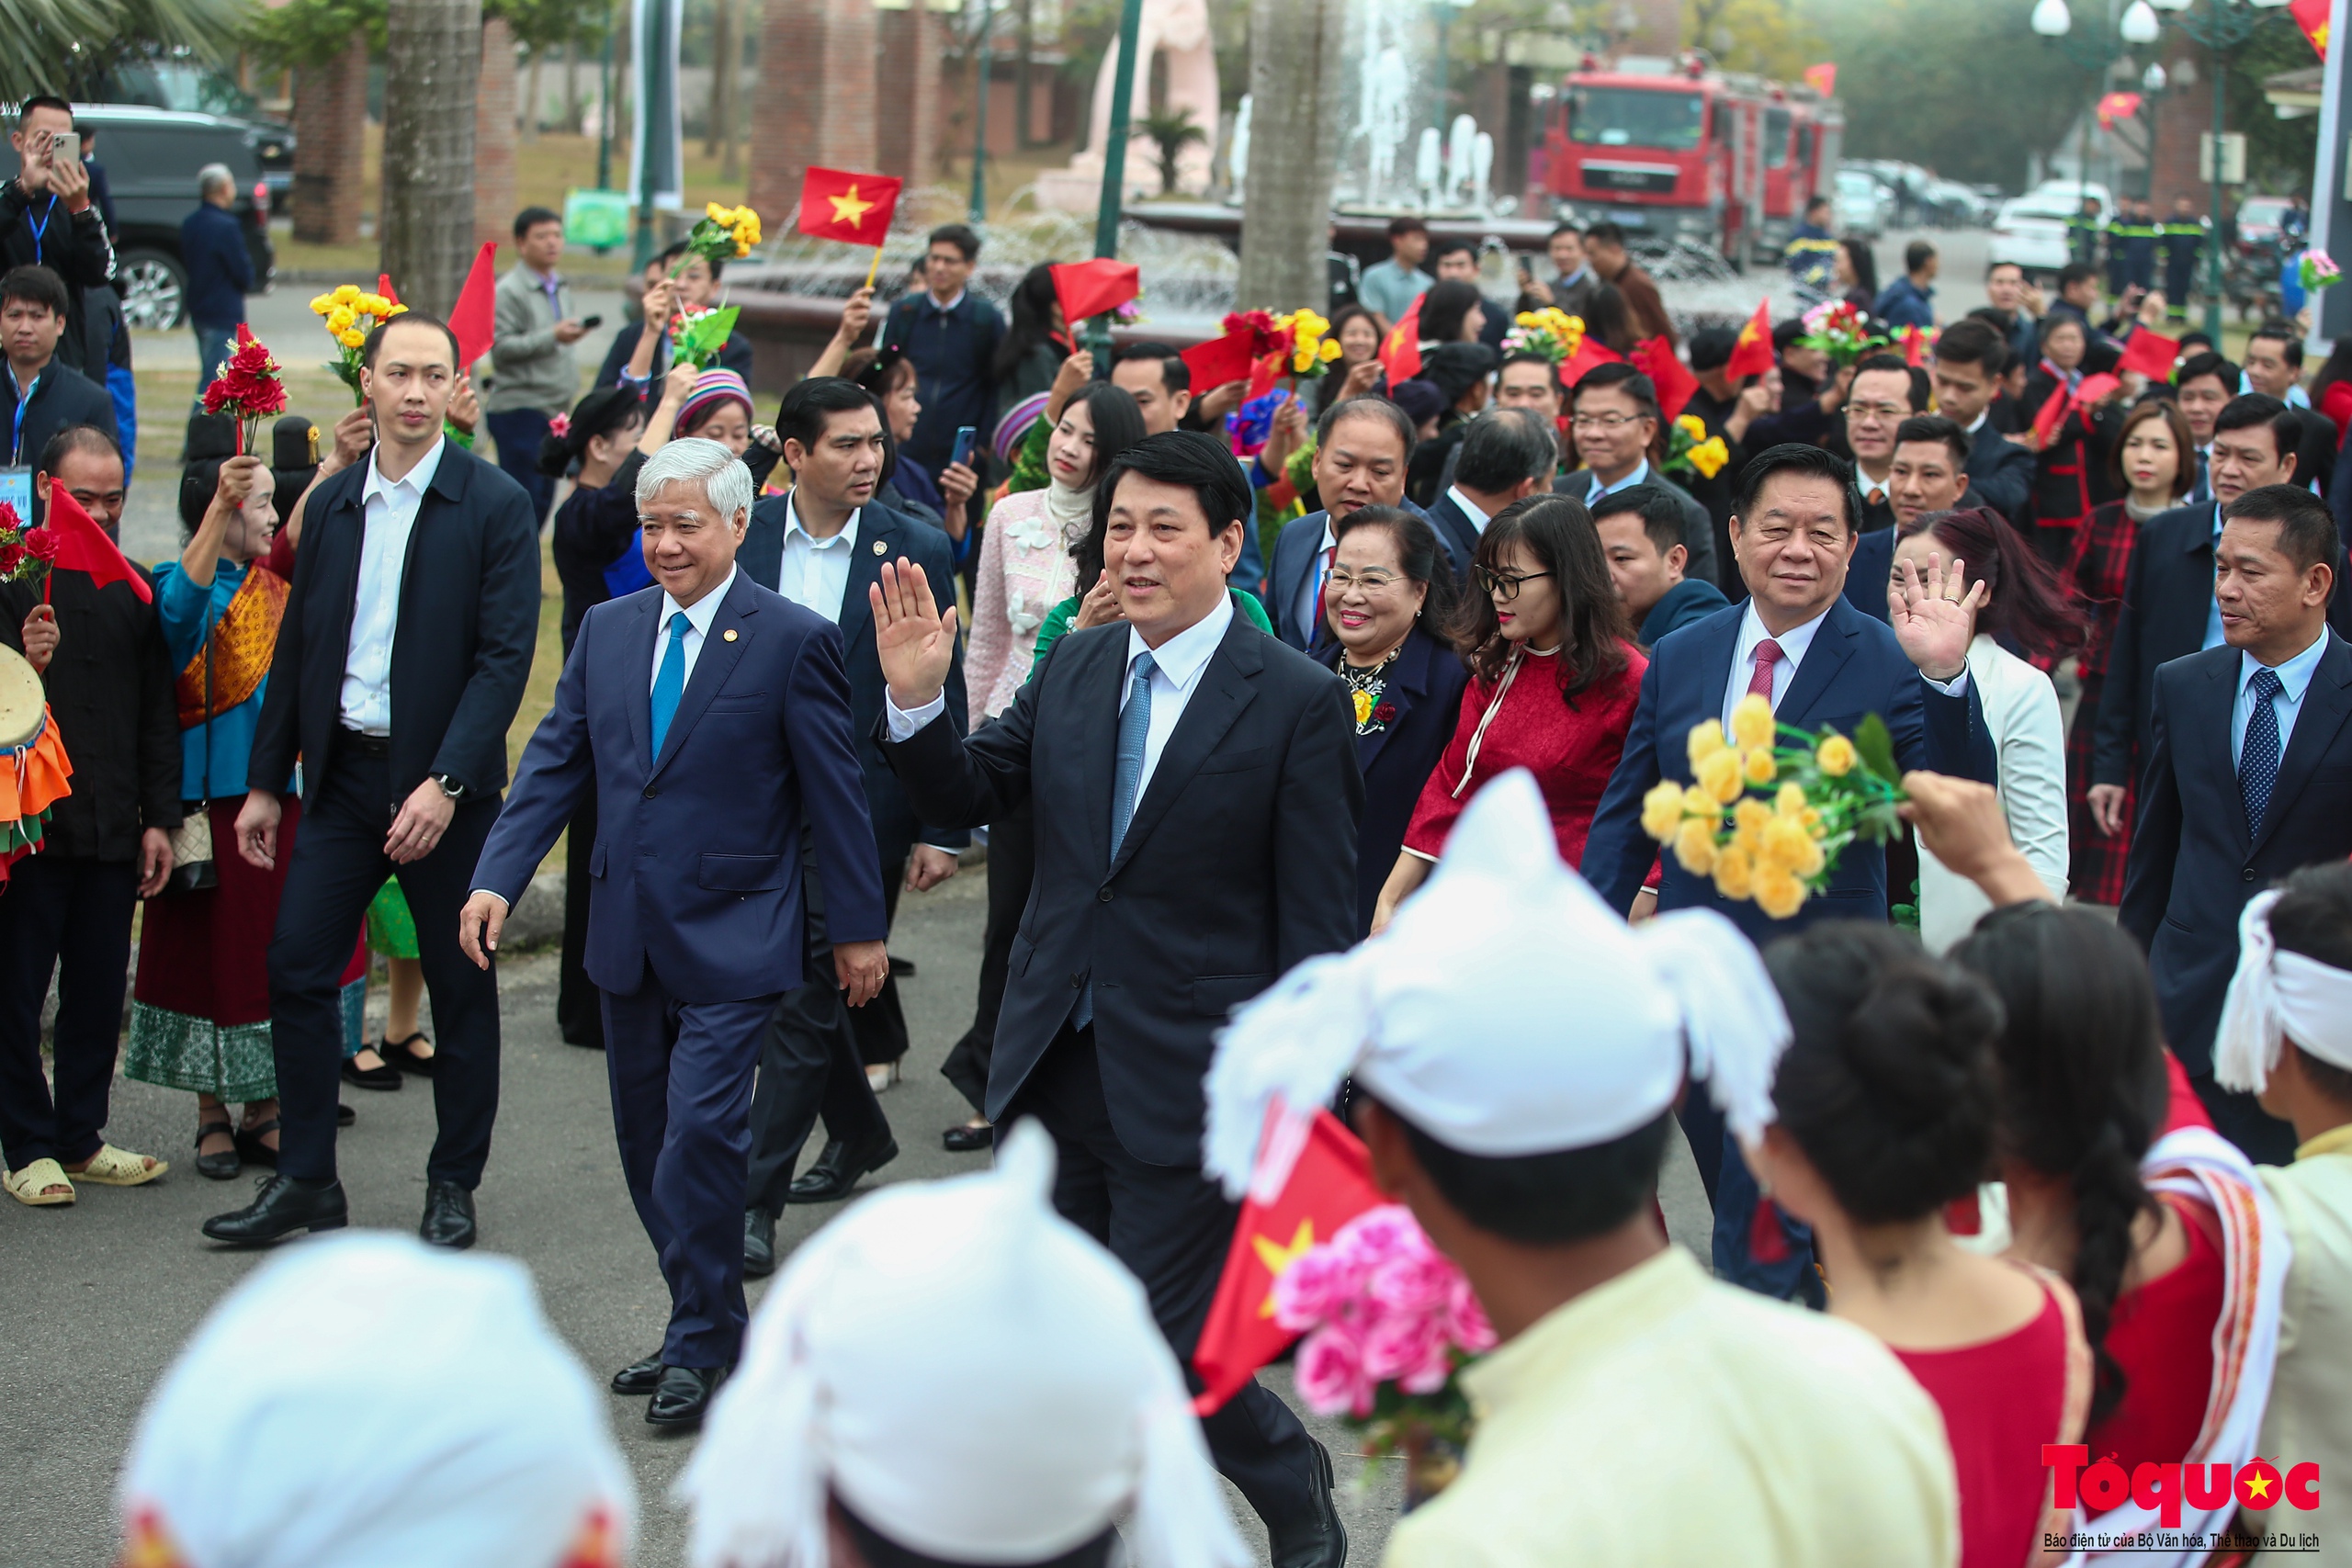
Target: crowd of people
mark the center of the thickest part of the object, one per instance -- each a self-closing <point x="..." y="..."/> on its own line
<point x="1310" y="737"/>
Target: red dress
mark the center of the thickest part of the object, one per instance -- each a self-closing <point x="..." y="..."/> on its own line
<point x="2001" y="1401"/>
<point x="1570" y="745"/>
<point x="2162" y="1336"/>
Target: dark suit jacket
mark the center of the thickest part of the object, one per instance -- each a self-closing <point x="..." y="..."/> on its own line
<point x="2167" y="603"/>
<point x="696" y="870"/>
<point x="2193" y="863"/>
<point x="1240" y="862"/>
<point x="468" y="622"/>
<point x="1425" y="685"/>
<point x="1854" y="668"/>
<point x="2000" y="471"/>
<point x="1454" y="531"/>
<point x="1294" y="550"/>
<point x="1688" y="601"/>
<point x="62" y="396"/>
<point x="1697" y="528"/>
<point x="897" y="826"/>
<point x="1872" y="563"/>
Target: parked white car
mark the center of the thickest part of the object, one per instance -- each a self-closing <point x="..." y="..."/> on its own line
<point x="2032" y="232"/>
<point x="1861" y="204"/>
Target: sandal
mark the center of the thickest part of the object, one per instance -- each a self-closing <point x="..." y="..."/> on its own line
<point x="32" y="1185"/>
<point x="225" y="1165"/>
<point x="111" y="1167"/>
<point x="250" y="1145"/>
<point x="397" y="1053"/>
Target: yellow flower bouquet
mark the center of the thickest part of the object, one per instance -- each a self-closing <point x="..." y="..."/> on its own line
<point x="721" y="234"/>
<point x="1550" y="332"/>
<point x="1691" y="450"/>
<point x="1311" y="348"/>
<point x="1770" y="807"/>
<point x="350" y="313"/>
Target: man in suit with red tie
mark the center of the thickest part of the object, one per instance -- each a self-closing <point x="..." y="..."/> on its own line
<point x="710" y="715"/>
<point x="2249" y="775"/>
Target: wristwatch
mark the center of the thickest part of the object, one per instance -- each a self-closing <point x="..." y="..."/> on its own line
<point x="449" y="786"/>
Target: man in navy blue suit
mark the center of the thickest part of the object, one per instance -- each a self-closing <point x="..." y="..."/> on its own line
<point x="2249" y="776"/>
<point x="711" y="718"/>
<point x="1362" y="447"/>
<point x="1820" y="662"/>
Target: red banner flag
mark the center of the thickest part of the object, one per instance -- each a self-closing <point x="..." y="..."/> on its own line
<point x="83" y="545"/>
<point x="1822" y="78"/>
<point x="1088" y="289"/>
<point x="1219" y="360"/>
<point x="1751" y="353"/>
<point x="1655" y="358"/>
<point x="1330" y="1185"/>
<point x="1400" y="351"/>
<point x="1915" y="341"/>
<point x="2312" y="17"/>
<point x="1590" y="354"/>
<point x="2152" y="355"/>
<point x="474" y="318"/>
<point x="2093" y="392"/>
<point x="853" y="208"/>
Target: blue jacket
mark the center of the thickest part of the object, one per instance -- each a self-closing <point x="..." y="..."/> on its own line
<point x="896" y="826"/>
<point x="1692" y="599"/>
<point x="953" y="353"/>
<point x="1904" y="303"/>
<point x="695" y="872"/>
<point x="220" y="268"/>
<point x="1855" y="668"/>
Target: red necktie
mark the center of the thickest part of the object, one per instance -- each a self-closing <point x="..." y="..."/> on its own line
<point x="1768" y="654"/>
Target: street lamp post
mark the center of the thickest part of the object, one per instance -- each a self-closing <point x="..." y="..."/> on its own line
<point x="2221" y="27"/>
<point x="979" y="204"/>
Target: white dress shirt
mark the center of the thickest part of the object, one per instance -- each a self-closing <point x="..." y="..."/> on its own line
<point x="815" y="573"/>
<point x="1795" y="642"/>
<point x="1596" y="489"/>
<point x="1175" y="675"/>
<point x="698" y="618"/>
<point x="389" y="507"/>
<point x="2029" y="746"/>
<point x="2294" y="679"/>
<point x="1478" y="517"/>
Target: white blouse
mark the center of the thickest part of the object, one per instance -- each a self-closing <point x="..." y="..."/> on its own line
<point x="2029" y="743"/>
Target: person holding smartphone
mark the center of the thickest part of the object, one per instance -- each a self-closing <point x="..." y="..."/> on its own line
<point x="47" y="217"/>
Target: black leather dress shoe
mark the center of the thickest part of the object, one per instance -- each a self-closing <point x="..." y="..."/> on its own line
<point x="449" y="1216"/>
<point x="640" y="1377"/>
<point x="759" y="1244"/>
<point x="282" y="1205"/>
<point x="683" y="1396"/>
<point x="1318" y="1542"/>
<point x="383" y="1074"/>
<point x="345" y="1116"/>
<point x="839" y="1167"/>
<point x="968" y="1139"/>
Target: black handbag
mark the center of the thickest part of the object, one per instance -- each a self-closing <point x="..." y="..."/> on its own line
<point x="192" y="865"/>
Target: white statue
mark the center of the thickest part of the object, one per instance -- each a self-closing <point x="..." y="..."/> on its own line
<point x="1178" y="29"/>
<point x="1236" y="164"/>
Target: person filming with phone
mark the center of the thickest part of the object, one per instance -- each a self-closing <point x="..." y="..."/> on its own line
<point x="47" y="217"/>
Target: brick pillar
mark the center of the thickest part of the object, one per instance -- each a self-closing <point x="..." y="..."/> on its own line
<point x="330" y="126"/>
<point x="2184" y="113"/>
<point x="907" y="103"/>
<point x="494" y="112"/>
<point x="814" y="101"/>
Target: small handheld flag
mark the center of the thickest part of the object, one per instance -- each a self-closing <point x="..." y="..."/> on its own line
<point x="1400" y="351"/>
<point x="1751" y="353"/>
<point x="474" y="318"/>
<point x="852" y="207"/>
<point x="83" y="545"/>
<point x="1654" y="357"/>
<point x="1088" y="288"/>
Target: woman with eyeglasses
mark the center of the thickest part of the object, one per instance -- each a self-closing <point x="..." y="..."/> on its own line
<point x="1554" y="675"/>
<point x="1386" y="605"/>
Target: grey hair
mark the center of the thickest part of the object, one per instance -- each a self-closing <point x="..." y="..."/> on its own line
<point x="214" y="176"/>
<point x="691" y="459"/>
<point x="1503" y="447"/>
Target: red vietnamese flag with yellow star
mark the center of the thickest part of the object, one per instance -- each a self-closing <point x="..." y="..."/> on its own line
<point x="852" y="207"/>
<point x="1751" y="353"/>
<point x="2310" y="16"/>
<point x="1330" y="1185"/>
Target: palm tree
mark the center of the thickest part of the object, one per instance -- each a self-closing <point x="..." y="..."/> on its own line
<point x="1296" y="97"/>
<point x="68" y="46"/>
<point x="1171" y="132"/>
<point x="425" y="226"/>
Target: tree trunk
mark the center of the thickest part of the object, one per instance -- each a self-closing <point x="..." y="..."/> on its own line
<point x="571" y="84"/>
<point x="531" y="94"/>
<point x="1020" y="96"/>
<point x="720" y="109"/>
<point x="730" y="140"/>
<point x="1297" y="100"/>
<point x="432" y="63"/>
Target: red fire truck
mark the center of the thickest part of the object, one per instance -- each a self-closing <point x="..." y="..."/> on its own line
<point x="1674" y="149"/>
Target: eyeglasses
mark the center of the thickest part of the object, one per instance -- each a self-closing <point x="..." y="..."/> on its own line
<point x="1370" y="581"/>
<point x="1502" y="587"/>
<point x="1878" y="411"/>
<point x="1605" y="421"/>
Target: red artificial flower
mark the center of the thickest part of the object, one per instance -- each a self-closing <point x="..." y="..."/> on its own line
<point x="9" y="521"/>
<point x="1384" y="713"/>
<point x="41" y="544"/>
<point x="11" y="558"/>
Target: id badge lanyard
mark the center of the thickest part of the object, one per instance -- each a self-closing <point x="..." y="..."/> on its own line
<point x="16" y="479"/>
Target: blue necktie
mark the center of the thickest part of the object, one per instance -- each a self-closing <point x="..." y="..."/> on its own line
<point x="2259" y="758"/>
<point x="1126" y="780"/>
<point x="670" y="681"/>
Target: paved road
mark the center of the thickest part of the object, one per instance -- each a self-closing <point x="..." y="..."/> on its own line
<point x="100" y="1295"/>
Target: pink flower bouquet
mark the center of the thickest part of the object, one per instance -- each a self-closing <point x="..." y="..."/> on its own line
<point x="1389" y="1322"/>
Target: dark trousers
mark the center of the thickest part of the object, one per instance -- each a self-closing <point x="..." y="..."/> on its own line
<point x="808" y="1068"/>
<point x="1011" y="866"/>
<point x="1170" y="1226"/>
<point x="519" y="433"/>
<point x="579" y="1013"/>
<point x="72" y="916"/>
<point x="2239" y="1117"/>
<point x="880" y="1026"/>
<point x="337" y="865"/>
<point x="682" y="1102"/>
<point x="1733" y="1192"/>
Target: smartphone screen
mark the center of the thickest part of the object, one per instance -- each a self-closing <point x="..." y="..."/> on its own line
<point x="592" y="322"/>
<point x="963" y="449"/>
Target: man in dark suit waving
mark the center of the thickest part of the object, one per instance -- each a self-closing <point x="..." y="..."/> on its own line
<point x="1196" y="795"/>
<point x="401" y="658"/>
<point x="1819" y="662"/>
<point x="2249" y="776"/>
<point x="711" y="718"/>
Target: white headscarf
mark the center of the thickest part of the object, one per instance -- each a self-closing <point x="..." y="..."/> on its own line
<point x="974" y="1287"/>
<point x="1505" y="1011"/>
<point x="469" y="1439"/>
<point x="2276" y="997"/>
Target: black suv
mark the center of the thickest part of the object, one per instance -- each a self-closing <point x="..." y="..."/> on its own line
<point x="151" y="157"/>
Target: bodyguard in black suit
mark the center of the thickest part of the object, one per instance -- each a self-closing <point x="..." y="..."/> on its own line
<point x="1507" y="454"/>
<point x="2249" y="776"/>
<point x="1196" y="796"/>
<point x="401" y="662"/>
